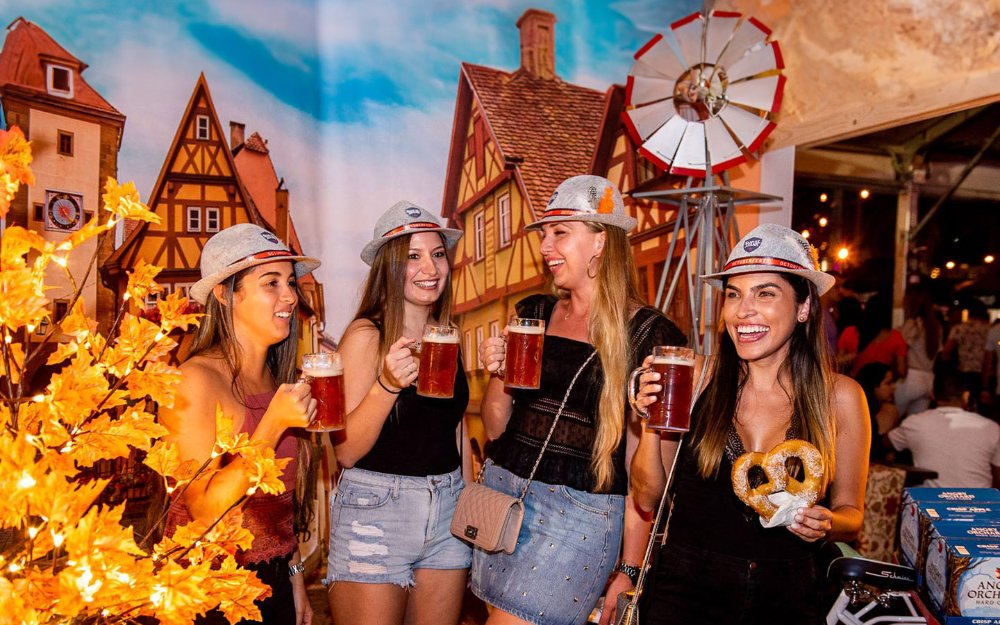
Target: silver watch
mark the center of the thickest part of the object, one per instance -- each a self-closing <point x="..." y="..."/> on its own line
<point x="295" y="569"/>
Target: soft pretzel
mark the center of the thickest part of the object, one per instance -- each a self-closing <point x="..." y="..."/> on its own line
<point x="773" y="465"/>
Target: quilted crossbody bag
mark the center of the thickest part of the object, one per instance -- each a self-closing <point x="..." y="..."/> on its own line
<point x="489" y="519"/>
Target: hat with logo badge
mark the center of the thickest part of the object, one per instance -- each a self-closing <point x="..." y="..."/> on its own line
<point x="586" y="198"/>
<point x="239" y="247"/>
<point x="774" y="248"/>
<point x="405" y="218"/>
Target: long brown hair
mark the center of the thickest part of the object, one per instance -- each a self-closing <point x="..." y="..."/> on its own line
<point x="216" y="337"/>
<point x="382" y="294"/>
<point x="808" y="366"/>
<point x="615" y="299"/>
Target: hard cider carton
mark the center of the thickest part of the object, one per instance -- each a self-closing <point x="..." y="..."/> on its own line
<point x="911" y="528"/>
<point x="963" y="579"/>
<point x="917" y="517"/>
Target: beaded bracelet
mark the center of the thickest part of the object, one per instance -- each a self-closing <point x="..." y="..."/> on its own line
<point x="385" y="388"/>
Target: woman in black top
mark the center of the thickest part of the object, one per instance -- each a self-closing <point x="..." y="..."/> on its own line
<point x="392" y="557"/>
<point x="596" y="331"/>
<point x="772" y="380"/>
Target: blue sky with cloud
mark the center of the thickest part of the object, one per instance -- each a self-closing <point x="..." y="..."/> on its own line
<point x="355" y="98"/>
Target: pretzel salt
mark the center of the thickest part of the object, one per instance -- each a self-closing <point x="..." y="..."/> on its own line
<point x="774" y="467"/>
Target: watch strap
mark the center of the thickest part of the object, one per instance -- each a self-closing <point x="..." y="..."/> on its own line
<point x="295" y="569"/>
<point x="632" y="572"/>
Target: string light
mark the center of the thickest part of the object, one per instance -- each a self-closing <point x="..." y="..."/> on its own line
<point x="822" y="222"/>
<point x="950" y="264"/>
<point x="842" y="253"/>
<point x="988" y="259"/>
<point x="805" y="234"/>
<point x="823" y="197"/>
<point x="864" y="194"/>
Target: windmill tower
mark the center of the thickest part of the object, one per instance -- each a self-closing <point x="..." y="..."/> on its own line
<point x="699" y="103"/>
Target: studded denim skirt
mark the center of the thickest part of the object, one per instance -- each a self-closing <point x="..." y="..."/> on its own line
<point x="567" y="548"/>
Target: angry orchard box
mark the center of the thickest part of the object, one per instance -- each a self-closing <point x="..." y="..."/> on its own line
<point x="963" y="578"/>
<point x="915" y="518"/>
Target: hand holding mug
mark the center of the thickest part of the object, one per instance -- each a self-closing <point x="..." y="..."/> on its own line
<point x="399" y="369"/>
<point x="649" y="388"/>
<point x="493" y="354"/>
<point x="667" y="407"/>
<point x="292" y="405"/>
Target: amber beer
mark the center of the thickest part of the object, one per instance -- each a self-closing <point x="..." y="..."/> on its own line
<point x="525" y="338"/>
<point x="326" y="379"/>
<point x="438" y="361"/>
<point x="672" y="409"/>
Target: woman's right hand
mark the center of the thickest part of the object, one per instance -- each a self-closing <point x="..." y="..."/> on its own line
<point x="493" y="353"/>
<point x="293" y="405"/>
<point x="649" y="387"/>
<point x="399" y="368"/>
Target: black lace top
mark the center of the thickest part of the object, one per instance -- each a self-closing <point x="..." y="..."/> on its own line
<point x="567" y="459"/>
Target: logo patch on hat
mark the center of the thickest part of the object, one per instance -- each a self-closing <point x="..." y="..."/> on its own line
<point x="413" y="211"/>
<point x="270" y="238"/>
<point x="751" y="244"/>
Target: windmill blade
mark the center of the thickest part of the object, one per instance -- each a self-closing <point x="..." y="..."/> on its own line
<point x="643" y="121"/>
<point x="757" y="62"/>
<point x="759" y="93"/>
<point x="640" y="90"/>
<point x="657" y="59"/>
<point x="750" y="130"/>
<point x="662" y="146"/>
<point x="749" y="35"/>
<point x="687" y="33"/>
<point x="723" y="152"/>
<point x="718" y="31"/>
<point x="691" y="157"/>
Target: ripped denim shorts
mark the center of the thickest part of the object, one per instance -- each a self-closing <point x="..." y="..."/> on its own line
<point x="383" y="526"/>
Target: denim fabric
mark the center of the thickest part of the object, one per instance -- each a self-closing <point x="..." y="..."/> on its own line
<point x="696" y="586"/>
<point x="384" y="526"/>
<point x="567" y="548"/>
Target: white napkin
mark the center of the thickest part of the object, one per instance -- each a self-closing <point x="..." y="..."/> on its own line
<point x="788" y="504"/>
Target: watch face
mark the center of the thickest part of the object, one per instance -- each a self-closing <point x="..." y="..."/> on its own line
<point x="64" y="211"/>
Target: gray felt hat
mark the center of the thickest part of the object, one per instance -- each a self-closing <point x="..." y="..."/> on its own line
<point x="239" y="247"/>
<point x="405" y="218"/>
<point x="586" y="198"/>
<point x="770" y="247"/>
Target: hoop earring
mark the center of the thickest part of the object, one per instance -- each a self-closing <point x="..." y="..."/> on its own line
<point x="588" y="267"/>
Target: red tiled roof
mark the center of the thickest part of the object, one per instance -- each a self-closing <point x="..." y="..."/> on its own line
<point x="256" y="143"/>
<point x="551" y="124"/>
<point x="21" y="64"/>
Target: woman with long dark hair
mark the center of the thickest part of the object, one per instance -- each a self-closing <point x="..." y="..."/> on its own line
<point x="392" y="557"/>
<point x="243" y="360"/>
<point x="771" y="381"/>
<point x="922" y="332"/>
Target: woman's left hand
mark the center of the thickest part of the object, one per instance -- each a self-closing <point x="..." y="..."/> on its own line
<point x="620" y="583"/>
<point x="812" y="524"/>
<point x="303" y="609"/>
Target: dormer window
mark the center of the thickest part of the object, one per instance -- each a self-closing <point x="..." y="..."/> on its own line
<point x="59" y="81"/>
<point x="201" y="128"/>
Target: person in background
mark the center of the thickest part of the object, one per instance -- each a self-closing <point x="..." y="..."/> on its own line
<point x="968" y="341"/>
<point x="922" y="332"/>
<point x="392" y="557"/>
<point x="849" y="310"/>
<point x="988" y="397"/>
<point x="577" y="517"/>
<point x="874" y="339"/>
<point x="771" y="381"/>
<point x="877" y="382"/>
<point x="243" y="359"/>
<point x="961" y="446"/>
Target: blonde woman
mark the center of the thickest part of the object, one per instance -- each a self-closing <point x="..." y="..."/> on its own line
<point x="597" y="330"/>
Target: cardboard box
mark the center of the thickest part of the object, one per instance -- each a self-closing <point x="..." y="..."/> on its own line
<point x="912" y="535"/>
<point x="963" y="577"/>
<point x="917" y="516"/>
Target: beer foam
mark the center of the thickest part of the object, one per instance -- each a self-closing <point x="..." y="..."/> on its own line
<point x="429" y="338"/>
<point x="673" y="360"/>
<point x="526" y="329"/>
<point x="323" y="372"/>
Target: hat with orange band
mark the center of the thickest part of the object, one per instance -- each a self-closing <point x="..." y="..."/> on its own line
<point x="404" y="218"/>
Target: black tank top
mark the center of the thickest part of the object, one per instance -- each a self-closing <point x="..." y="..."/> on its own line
<point x="418" y="437"/>
<point x="708" y="515"/>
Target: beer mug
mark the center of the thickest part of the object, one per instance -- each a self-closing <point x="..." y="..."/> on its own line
<point x="525" y="338"/>
<point x="438" y="361"/>
<point x="671" y="412"/>
<point x="326" y="379"/>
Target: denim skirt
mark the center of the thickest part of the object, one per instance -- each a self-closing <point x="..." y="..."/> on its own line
<point x="384" y="526"/>
<point x="567" y="548"/>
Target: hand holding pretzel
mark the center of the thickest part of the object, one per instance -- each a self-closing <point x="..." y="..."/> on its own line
<point x="773" y="463"/>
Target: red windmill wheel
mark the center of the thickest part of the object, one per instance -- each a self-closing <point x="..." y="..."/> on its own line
<point x="709" y="103"/>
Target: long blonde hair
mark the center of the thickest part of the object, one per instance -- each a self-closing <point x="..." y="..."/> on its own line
<point x="615" y="299"/>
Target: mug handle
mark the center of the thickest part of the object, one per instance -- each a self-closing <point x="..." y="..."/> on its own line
<point x="632" y="392"/>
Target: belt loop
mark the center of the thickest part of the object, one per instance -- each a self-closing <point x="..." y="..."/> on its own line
<point x="395" y="486"/>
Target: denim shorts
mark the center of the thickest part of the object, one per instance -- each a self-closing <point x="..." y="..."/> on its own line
<point x="383" y="526"/>
<point x="567" y="548"/>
